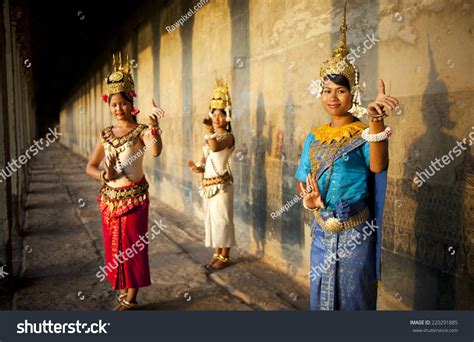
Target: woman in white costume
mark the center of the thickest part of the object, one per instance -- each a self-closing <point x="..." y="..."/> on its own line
<point x="217" y="187"/>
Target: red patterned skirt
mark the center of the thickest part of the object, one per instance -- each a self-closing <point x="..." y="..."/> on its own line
<point x="125" y="225"/>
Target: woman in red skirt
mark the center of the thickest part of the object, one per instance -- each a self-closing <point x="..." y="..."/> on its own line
<point x="123" y="198"/>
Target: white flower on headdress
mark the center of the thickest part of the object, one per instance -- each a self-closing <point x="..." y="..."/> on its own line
<point x="358" y="88"/>
<point x="357" y="110"/>
<point x="227" y="113"/>
<point x="316" y="87"/>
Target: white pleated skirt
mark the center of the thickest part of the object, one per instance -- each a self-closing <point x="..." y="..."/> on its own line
<point x="219" y="219"/>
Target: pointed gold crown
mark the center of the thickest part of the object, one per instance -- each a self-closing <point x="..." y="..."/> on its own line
<point x="339" y="64"/>
<point x="221" y="97"/>
<point x="121" y="77"/>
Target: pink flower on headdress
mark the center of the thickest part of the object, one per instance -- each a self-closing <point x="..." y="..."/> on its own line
<point x="133" y="94"/>
<point x="135" y="111"/>
<point x="105" y="98"/>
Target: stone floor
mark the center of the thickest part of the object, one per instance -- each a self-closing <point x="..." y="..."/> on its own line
<point x="62" y="252"/>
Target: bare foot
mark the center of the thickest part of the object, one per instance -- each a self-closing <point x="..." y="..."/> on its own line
<point x="117" y="308"/>
<point x="122" y="295"/>
<point x="126" y="305"/>
<point x="219" y="265"/>
<point x="213" y="260"/>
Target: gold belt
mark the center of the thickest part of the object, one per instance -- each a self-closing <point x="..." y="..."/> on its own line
<point x="333" y="225"/>
<point x="120" y="194"/>
<point x="217" y="180"/>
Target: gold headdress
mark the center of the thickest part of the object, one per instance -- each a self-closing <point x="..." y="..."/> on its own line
<point x="120" y="80"/>
<point x="342" y="63"/>
<point x="221" y="99"/>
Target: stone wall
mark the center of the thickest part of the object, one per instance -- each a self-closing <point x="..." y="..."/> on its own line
<point x="17" y="130"/>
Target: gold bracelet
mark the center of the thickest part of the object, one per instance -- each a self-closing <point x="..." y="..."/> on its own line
<point x="377" y="117"/>
<point x="155" y="130"/>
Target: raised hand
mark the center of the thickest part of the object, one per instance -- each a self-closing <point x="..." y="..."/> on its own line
<point x="156" y="114"/>
<point x="382" y="101"/>
<point x="194" y="168"/>
<point x="110" y="168"/>
<point x="312" y="197"/>
<point x="208" y="125"/>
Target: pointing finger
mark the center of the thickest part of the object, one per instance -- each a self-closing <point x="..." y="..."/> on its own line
<point x="381" y="87"/>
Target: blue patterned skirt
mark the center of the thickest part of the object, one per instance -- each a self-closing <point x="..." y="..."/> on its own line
<point x="343" y="266"/>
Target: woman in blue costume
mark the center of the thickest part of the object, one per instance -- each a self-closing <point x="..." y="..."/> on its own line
<point x="342" y="179"/>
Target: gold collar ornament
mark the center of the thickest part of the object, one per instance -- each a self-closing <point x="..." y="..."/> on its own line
<point x="341" y="63"/>
<point x="221" y="100"/>
<point x="326" y="134"/>
<point x="120" y="80"/>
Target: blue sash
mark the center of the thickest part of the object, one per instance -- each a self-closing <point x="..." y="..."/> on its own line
<point x="321" y="157"/>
